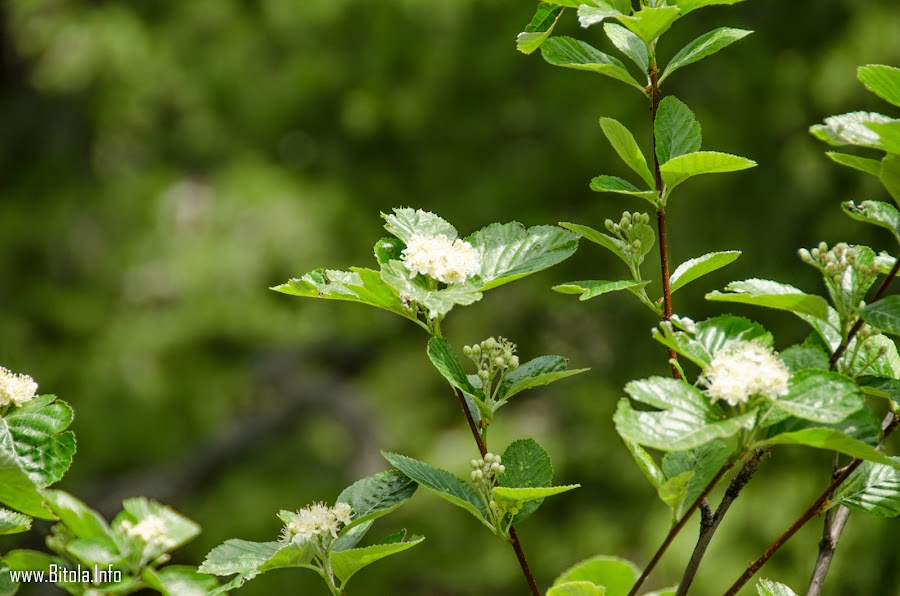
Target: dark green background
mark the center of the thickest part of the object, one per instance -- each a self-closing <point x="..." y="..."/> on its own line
<point x="163" y="163"/>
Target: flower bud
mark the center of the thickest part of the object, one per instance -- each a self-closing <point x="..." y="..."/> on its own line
<point x="499" y="361"/>
<point x="474" y="463"/>
<point x="804" y="255"/>
<point x="514" y="362"/>
<point x="467" y="350"/>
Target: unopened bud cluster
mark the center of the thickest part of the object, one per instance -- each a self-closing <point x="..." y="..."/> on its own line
<point x="492" y="356"/>
<point x="487" y="470"/>
<point x="833" y="263"/>
<point x="625" y="226"/>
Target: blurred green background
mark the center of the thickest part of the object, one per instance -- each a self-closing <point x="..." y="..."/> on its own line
<point x="163" y="163"/>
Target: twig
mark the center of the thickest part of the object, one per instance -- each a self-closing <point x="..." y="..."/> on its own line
<point x="710" y="523"/>
<point x="678" y="527"/>
<point x="811" y="511"/>
<point x="514" y="537"/>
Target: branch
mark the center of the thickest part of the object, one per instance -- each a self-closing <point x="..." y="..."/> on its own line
<point x="514" y="537"/>
<point x="710" y="523"/>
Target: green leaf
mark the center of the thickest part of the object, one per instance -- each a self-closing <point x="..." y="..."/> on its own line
<point x="884" y="81"/>
<point x="510" y="251"/>
<point x="540" y="27"/>
<point x="37" y="430"/>
<point x="573" y="53"/>
<point x="832" y="440"/>
<point x="770" y="294"/>
<point x="443" y="483"/>
<point x="94" y="551"/>
<point x="592" y="289"/>
<point x="596" y="12"/>
<point x="576" y="589"/>
<point x="821" y="396"/>
<point x="705" y="45"/>
<point x="358" y="285"/>
<point x="703" y="463"/>
<point x="13" y="522"/>
<point x="890" y="175"/>
<point x="616" y="246"/>
<point x="872" y="488"/>
<point x="179" y="580"/>
<point x="679" y="169"/>
<point x="850" y="129"/>
<point x="524" y="495"/>
<point x="698" y="267"/>
<point x="623" y="142"/>
<point x="351" y="537"/>
<point x="179" y="530"/>
<point x="527" y="465"/>
<point x="798" y="358"/>
<point x="687" y="418"/>
<point x="438" y="302"/>
<point x="863" y="164"/>
<point x="687" y="6"/>
<point x="388" y="249"/>
<point x="405" y="223"/>
<point x="623" y="187"/>
<point x="861" y="425"/>
<point x="884" y="314"/>
<point x="677" y="131"/>
<point x="239" y="556"/>
<point x="888" y="135"/>
<point x="31" y="560"/>
<point x="650" y="23"/>
<point x="539" y="371"/>
<point x="615" y="574"/>
<point x="7" y="587"/>
<point x="647" y="465"/>
<point x="769" y="588"/>
<point x="629" y="44"/>
<point x="376" y="496"/>
<point x="875" y="212"/>
<point x="346" y="563"/>
<point x="79" y="519"/>
<point x="674" y="491"/>
<point x="445" y="361"/>
<point x="711" y="336"/>
<point x="17" y="490"/>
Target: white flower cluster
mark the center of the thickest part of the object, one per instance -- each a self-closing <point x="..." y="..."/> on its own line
<point x="745" y="369"/>
<point x="314" y="521"/>
<point x="16" y="389"/>
<point x="151" y="531"/>
<point x="449" y="262"/>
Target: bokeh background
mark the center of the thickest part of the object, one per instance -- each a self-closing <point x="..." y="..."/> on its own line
<point x="164" y="163"/>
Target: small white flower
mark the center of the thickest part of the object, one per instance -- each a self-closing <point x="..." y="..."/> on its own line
<point x="16" y="389"/>
<point x="151" y="531"/>
<point x="343" y="511"/>
<point x="314" y="521"/>
<point x="449" y="262"/>
<point x="745" y="369"/>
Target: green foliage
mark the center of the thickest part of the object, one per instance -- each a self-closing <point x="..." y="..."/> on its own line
<point x="697" y="467"/>
<point x="614" y="575"/>
<point x="348" y="562"/>
<point x="769" y="588"/>
<point x="540" y="27"/>
<point x="696" y="268"/>
<point x="593" y="288"/>
<point x="537" y="372"/>
<point x="676" y="130"/>
<point x="627" y="148"/>
<point x="821" y="397"/>
<point x="13" y="522"/>
<point x="872" y="488"/>
<point x="528" y="465"/>
<point x="884" y="314"/>
<point x="833" y="440"/>
<point x="573" y="53"/>
<point x="702" y="47"/>
<point x="677" y="170"/>
<point x="376" y="496"/>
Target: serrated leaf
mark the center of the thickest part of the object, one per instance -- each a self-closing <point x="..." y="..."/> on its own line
<point x="703" y="463"/>
<point x="863" y="164"/>
<point x="13" y="522"/>
<point x="647" y="465"/>
<point x="770" y="294"/>
<point x="616" y="246"/>
<point x="539" y="371"/>
<point x="705" y="45"/>
<point x="687" y="6"/>
<point x="527" y="465"/>
<point x="696" y="268"/>
<point x="876" y="213"/>
<point x="832" y="440"/>
<point x="797" y="358"/>
<point x="686" y="418"/>
<point x="596" y="12"/>
<point x="888" y="135"/>
<point x="861" y="425"/>
<point x="358" y="285"/>
<point x="884" y="314"/>
<point x="405" y="223"/>
<point x="179" y="580"/>
<point x="872" y="488"/>
<point x="445" y="361"/>
<point x="674" y="491"/>
<point x="17" y="490"/>
<point x="42" y="445"/>
<point x="769" y="588"/>
<point x="711" y="336"/>
<point x="850" y="129"/>
<point x="351" y="537"/>
<point x="347" y="563"/>
<point x="576" y="589"/>
<point x="821" y="396"/>
<point x="239" y="556"/>
<point x="629" y="44"/>
<point x="437" y="302"/>
<point x="375" y="496"/>
<point x="677" y="131"/>
<point x="524" y="495"/>
<point x="650" y="23"/>
<point x="884" y="81"/>
<point x="573" y="53"/>
<point x="79" y="519"/>
<point x="677" y="170"/>
<point x="627" y="148"/>
<point x="510" y="251"/>
<point x="441" y="482"/>
<point x="623" y="187"/>
<point x="616" y="575"/>
<point x="540" y="27"/>
<point x="592" y="289"/>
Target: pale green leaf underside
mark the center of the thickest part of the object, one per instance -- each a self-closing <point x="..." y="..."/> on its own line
<point x="614" y="245"/>
<point x="437" y="302"/>
<point x="863" y="164"/>
<point x="629" y="44"/>
<point x="873" y="489"/>
<point x="594" y="288"/>
<point x="595" y="12"/>
<point x="647" y="465"/>
<point x="875" y="212"/>
<point x="627" y="148"/>
<point x="679" y="169"/>
<point x="524" y="495"/>
<point x="623" y="187"/>
<point x="833" y="440"/>
<point x="13" y="522"/>
<point x="573" y="53"/>
<point x="770" y="294"/>
<point x="769" y="588"/>
<point x="888" y="135"/>
<point x="348" y="562"/>
<point x="540" y="27"/>
<point x="696" y="268"/>
<point x="705" y="45"/>
<point x="650" y="23"/>
<point x="404" y="223"/>
<point x="850" y="129"/>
